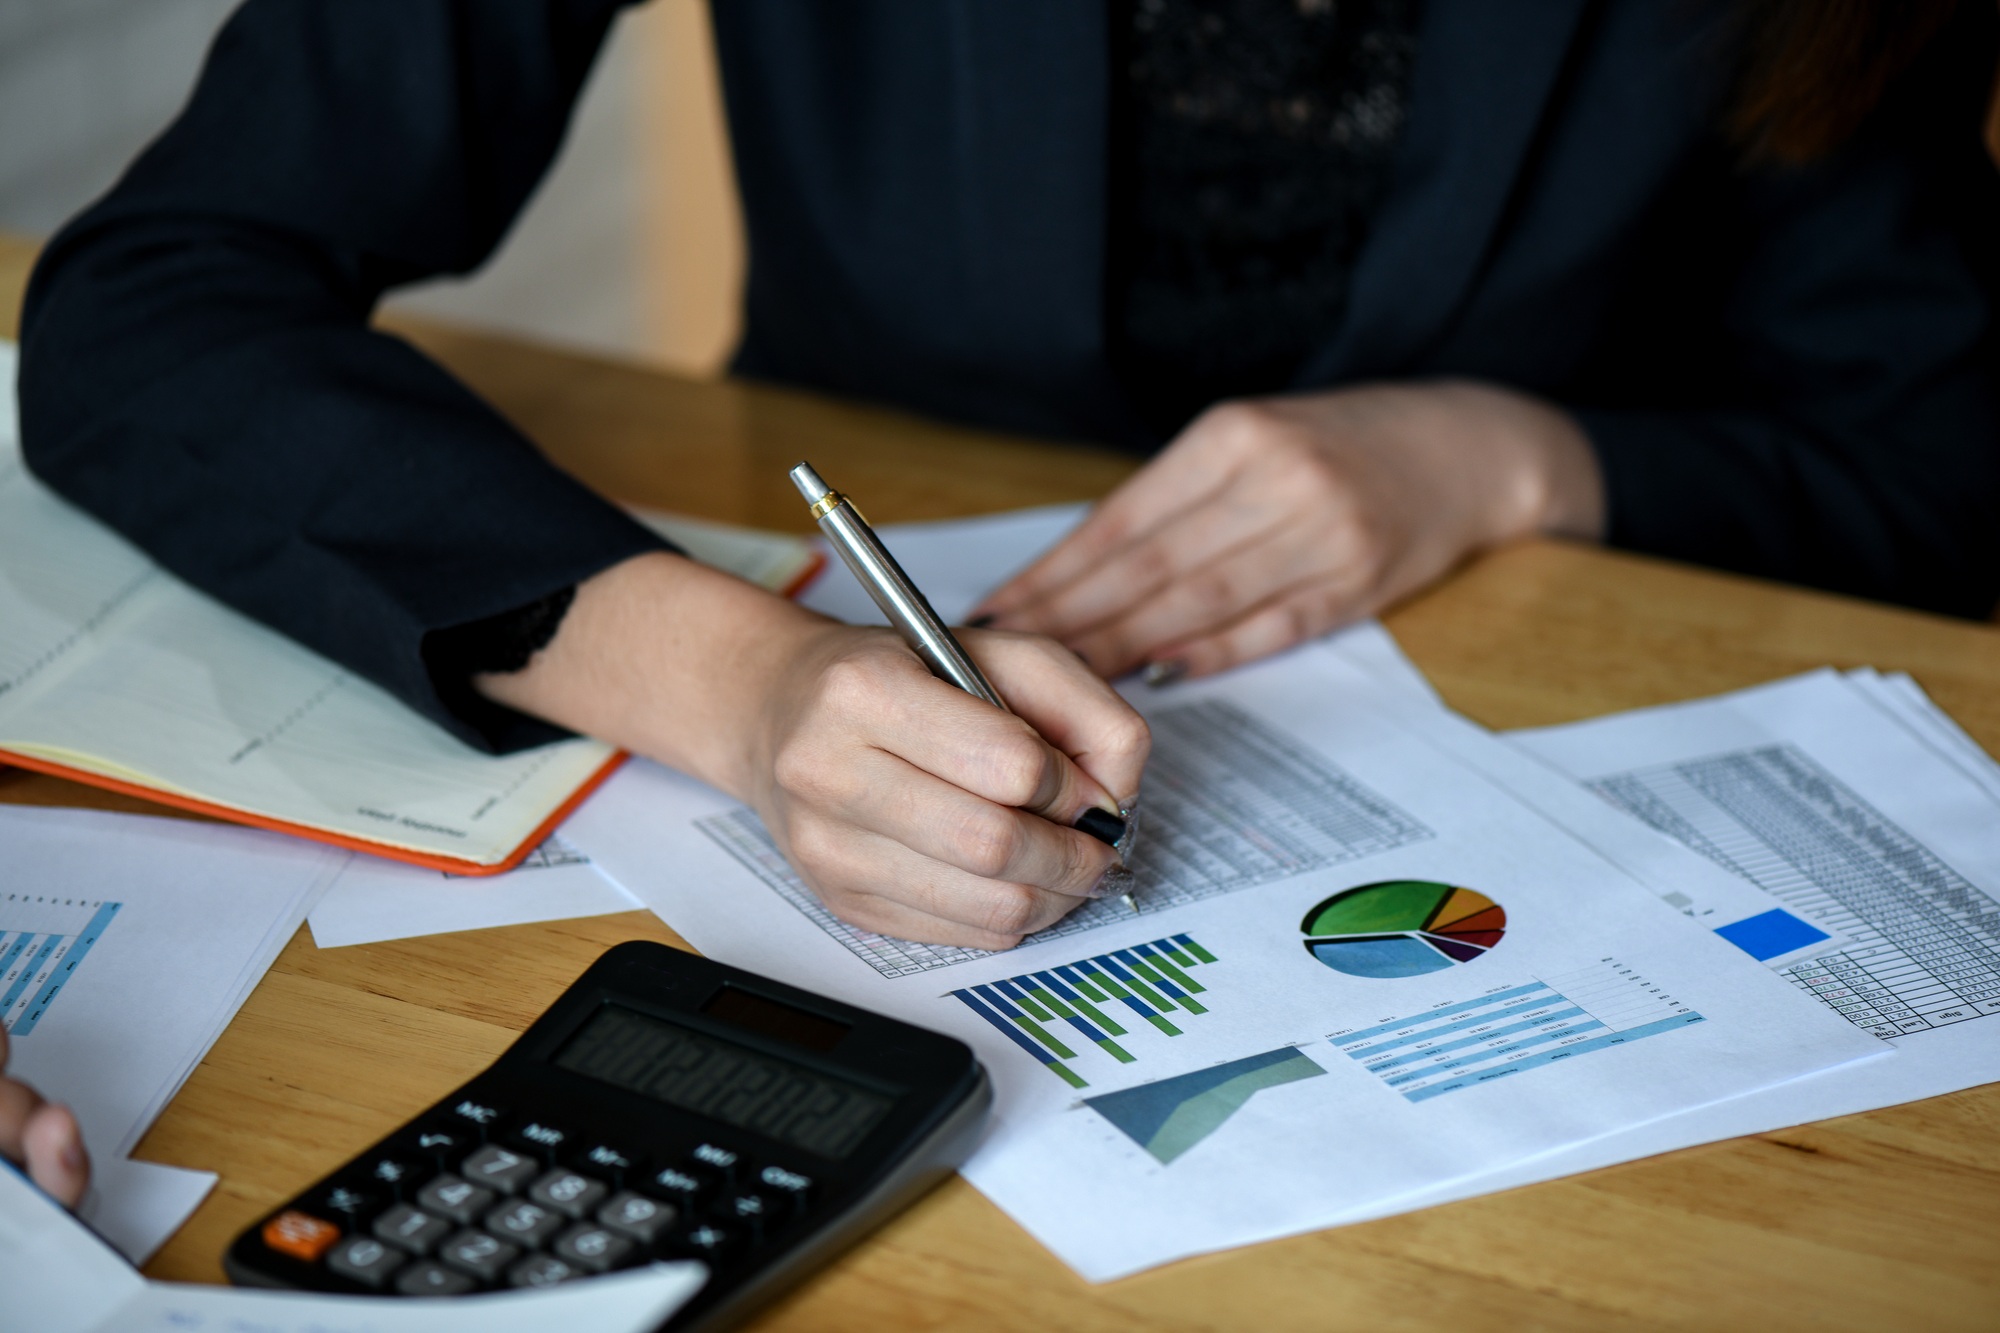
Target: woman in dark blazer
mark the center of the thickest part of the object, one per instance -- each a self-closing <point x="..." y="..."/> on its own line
<point x="1388" y="283"/>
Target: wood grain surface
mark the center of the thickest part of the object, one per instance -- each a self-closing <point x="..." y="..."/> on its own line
<point x="1883" y="1221"/>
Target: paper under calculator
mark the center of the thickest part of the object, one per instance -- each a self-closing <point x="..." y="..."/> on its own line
<point x="666" y="1106"/>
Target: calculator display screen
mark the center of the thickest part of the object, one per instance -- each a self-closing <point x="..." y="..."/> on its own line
<point x="739" y="1087"/>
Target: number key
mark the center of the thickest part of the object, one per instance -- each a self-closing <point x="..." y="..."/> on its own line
<point x="498" y="1169"/>
<point x="425" y="1278"/>
<point x="525" y="1223"/>
<point x="568" y="1192"/>
<point x="637" y="1216"/>
<point x="455" y="1198"/>
<point x="479" y="1254"/>
<point x="414" y="1230"/>
<point x="592" y="1248"/>
<point x="365" y="1260"/>
<point x="540" y="1270"/>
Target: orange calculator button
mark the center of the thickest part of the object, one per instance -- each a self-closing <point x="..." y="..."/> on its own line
<point x="300" y="1235"/>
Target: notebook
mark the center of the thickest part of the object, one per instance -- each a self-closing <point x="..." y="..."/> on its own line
<point x="115" y="673"/>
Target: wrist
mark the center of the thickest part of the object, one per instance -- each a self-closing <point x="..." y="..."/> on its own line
<point x="668" y="659"/>
<point x="1545" y="480"/>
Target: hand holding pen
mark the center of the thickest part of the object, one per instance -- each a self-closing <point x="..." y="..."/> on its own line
<point x="910" y="613"/>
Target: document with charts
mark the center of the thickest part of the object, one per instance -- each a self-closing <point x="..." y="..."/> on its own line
<point x="1360" y="969"/>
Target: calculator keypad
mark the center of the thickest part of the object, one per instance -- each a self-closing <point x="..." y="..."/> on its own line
<point x="478" y="1201"/>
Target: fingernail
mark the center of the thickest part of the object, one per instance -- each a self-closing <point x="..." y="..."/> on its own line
<point x="979" y="622"/>
<point x="1102" y="825"/>
<point x="1113" y="883"/>
<point x="1159" y="675"/>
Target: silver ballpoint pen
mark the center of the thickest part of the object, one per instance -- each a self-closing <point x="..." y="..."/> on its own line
<point x="910" y="612"/>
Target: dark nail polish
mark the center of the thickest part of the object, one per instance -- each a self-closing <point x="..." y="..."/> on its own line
<point x="1162" y="674"/>
<point x="979" y="622"/>
<point x="1102" y="825"/>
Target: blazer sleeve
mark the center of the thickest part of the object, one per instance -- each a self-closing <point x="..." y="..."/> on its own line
<point x="198" y="369"/>
<point x="1856" y="444"/>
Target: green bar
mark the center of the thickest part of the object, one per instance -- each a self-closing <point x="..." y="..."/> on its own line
<point x="1083" y="984"/>
<point x="1158" y="1022"/>
<point x="1097" y="1016"/>
<point x="1027" y="1001"/>
<point x="1046" y="1038"/>
<point x="1175" y="952"/>
<point x="1118" y="1053"/>
<point x="1192" y="1006"/>
<point x="1116" y="991"/>
<point x="1056" y="1006"/>
<point x="1200" y="952"/>
<point x="1068" y="1077"/>
<point x="1146" y="993"/>
<point x="1180" y="978"/>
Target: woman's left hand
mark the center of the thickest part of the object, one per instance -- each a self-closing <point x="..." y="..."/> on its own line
<point x="1274" y="520"/>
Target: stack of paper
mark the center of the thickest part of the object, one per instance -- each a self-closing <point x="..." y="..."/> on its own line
<point x="126" y="946"/>
<point x="1383" y="958"/>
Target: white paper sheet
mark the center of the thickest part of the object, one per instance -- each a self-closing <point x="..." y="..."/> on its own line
<point x="137" y="1206"/>
<point x="126" y="946"/>
<point x="372" y="899"/>
<point x="56" y="1278"/>
<point x="1266" y="798"/>
<point x="955" y="562"/>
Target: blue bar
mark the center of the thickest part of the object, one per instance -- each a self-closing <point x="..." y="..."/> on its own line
<point x="1109" y="964"/>
<point x="1550" y="1057"/>
<point x="49" y="943"/>
<point x="1464" y="1042"/>
<point x="1056" y="988"/>
<point x="1548" y="997"/>
<point x="1014" y="1034"/>
<point x="98" y="924"/>
<point x="999" y="1002"/>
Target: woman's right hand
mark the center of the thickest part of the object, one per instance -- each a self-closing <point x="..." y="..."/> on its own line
<point x="42" y="1136"/>
<point x="910" y="807"/>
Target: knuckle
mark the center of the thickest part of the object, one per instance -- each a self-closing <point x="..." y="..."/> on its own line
<point x="986" y="843"/>
<point x="1016" y="767"/>
<point x="1015" y="910"/>
<point x="849" y="685"/>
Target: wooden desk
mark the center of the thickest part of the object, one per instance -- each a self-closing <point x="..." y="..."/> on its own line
<point x="1883" y="1221"/>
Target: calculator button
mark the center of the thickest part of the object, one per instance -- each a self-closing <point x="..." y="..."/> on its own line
<point x="483" y="1256"/>
<point x="477" y="1117"/>
<point x="414" y="1230"/>
<point x="778" y="1183"/>
<point x="541" y="1138"/>
<point x="300" y="1235"/>
<point x="425" y="1278"/>
<point x="347" y="1201"/>
<point x="541" y="1270"/>
<point x="637" y="1216"/>
<point x="749" y="1210"/>
<point x="721" y="1161"/>
<point x="524" y="1223"/>
<point x="455" y="1198"/>
<point x="365" y="1260"/>
<point x="592" y="1248"/>
<point x="613" y="1163"/>
<point x="498" y="1169"/>
<point x="441" y="1144"/>
<point x="711" y="1241"/>
<point x="677" y="1185"/>
<point x="568" y="1192"/>
<point x="397" y="1177"/>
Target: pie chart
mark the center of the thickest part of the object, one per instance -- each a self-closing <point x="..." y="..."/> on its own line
<point x="1402" y="928"/>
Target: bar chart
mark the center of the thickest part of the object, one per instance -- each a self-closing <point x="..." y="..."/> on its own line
<point x="1512" y="1029"/>
<point x="1092" y="1001"/>
<point x="43" y="940"/>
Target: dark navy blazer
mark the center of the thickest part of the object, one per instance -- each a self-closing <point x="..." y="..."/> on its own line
<point x="1787" y="372"/>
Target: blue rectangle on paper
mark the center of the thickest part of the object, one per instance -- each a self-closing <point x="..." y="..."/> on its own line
<point x="1771" y="933"/>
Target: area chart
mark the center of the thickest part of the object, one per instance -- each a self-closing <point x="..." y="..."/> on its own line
<point x="1168" y="1117"/>
<point x="1094" y="1002"/>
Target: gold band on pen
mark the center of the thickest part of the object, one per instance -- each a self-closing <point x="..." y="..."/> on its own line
<point x="825" y="505"/>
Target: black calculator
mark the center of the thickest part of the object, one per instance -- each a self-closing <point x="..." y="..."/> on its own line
<point x="666" y="1107"/>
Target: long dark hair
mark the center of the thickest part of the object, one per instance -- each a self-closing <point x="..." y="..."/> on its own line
<point x="1813" y="70"/>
